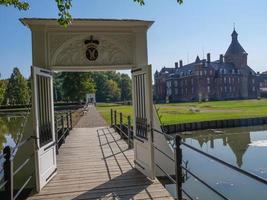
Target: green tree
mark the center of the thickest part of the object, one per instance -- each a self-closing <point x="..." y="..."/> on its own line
<point x="100" y="79"/>
<point x="3" y="85"/>
<point x="17" y="91"/>
<point x="125" y="87"/>
<point x="76" y="85"/>
<point x="57" y="84"/>
<point x="64" y="7"/>
<point x="113" y="90"/>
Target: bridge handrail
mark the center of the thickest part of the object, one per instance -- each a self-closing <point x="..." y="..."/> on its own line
<point x="119" y="127"/>
<point x="9" y="155"/>
<point x="178" y="152"/>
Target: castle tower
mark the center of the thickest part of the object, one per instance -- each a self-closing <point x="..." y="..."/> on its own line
<point x="235" y="54"/>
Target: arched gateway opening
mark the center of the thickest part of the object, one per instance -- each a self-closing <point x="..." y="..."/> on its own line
<point x="86" y="45"/>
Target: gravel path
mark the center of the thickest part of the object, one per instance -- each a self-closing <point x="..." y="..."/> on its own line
<point x="91" y="118"/>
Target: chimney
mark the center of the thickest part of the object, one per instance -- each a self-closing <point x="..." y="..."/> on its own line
<point x="176" y="65"/>
<point x="221" y="58"/>
<point x="181" y="63"/>
<point x="208" y="57"/>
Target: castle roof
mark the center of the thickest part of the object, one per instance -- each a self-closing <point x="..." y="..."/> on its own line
<point x="235" y="47"/>
<point x="218" y="66"/>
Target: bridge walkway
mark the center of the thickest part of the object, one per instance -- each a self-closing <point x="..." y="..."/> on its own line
<point x="95" y="163"/>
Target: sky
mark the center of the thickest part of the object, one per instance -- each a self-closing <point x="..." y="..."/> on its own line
<point x="180" y="32"/>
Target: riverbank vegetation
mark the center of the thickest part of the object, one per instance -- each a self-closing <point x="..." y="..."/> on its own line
<point x="177" y="113"/>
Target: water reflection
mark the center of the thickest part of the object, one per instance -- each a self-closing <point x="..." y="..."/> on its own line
<point x="10" y="127"/>
<point x="243" y="147"/>
<point x="238" y="140"/>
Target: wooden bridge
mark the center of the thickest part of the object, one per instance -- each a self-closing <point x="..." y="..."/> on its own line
<point x="95" y="163"/>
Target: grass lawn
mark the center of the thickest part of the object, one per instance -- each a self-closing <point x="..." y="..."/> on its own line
<point x="175" y="113"/>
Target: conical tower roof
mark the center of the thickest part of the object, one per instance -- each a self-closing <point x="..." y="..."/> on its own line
<point x="197" y="60"/>
<point x="235" y="47"/>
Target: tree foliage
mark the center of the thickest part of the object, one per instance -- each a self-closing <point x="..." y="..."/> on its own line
<point x="3" y="85"/>
<point x="64" y="6"/>
<point x="75" y="86"/>
<point x="17" y="91"/>
<point x="108" y="86"/>
<point x="125" y="87"/>
<point x="21" y="5"/>
<point x="113" y="91"/>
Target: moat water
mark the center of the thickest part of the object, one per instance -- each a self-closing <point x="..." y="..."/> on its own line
<point x="11" y="132"/>
<point x="244" y="147"/>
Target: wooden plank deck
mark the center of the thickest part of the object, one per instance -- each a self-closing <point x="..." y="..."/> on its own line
<point x="95" y="163"/>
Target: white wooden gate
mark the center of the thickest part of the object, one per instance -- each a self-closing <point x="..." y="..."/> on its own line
<point x="143" y="110"/>
<point x="45" y="152"/>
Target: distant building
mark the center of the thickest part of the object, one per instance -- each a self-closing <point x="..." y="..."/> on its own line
<point x="263" y="84"/>
<point x="229" y="77"/>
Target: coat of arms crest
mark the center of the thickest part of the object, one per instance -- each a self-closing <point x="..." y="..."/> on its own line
<point x="91" y="52"/>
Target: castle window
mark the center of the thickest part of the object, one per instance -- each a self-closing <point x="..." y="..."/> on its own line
<point x="208" y="80"/>
<point x="192" y="81"/>
<point x="169" y="84"/>
<point x="208" y="89"/>
<point x="253" y="88"/>
<point x="200" y="73"/>
<point x="176" y="91"/>
<point x="224" y="79"/>
<point x="175" y="83"/>
<point x="225" y="88"/>
<point x="253" y="81"/>
<point x="210" y="72"/>
<point x="189" y="72"/>
<point x="169" y="92"/>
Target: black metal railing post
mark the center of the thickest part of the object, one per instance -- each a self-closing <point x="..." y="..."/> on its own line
<point x="111" y="117"/>
<point x="8" y="173"/>
<point x="62" y="129"/>
<point x="129" y="131"/>
<point x="56" y="134"/>
<point x="178" y="167"/>
<point x="115" y="119"/>
<point x="120" y="124"/>
<point x="70" y="120"/>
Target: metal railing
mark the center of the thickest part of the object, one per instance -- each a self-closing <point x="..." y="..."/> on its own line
<point x="122" y="125"/>
<point x="63" y="124"/>
<point x="179" y="167"/>
<point x="9" y="171"/>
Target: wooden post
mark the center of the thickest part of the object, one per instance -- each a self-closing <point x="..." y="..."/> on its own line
<point x="115" y="119"/>
<point x="56" y="134"/>
<point x="120" y="124"/>
<point x="62" y="129"/>
<point x="129" y="131"/>
<point x="8" y="173"/>
<point x="70" y="120"/>
<point x="111" y="117"/>
<point x="178" y="168"/>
